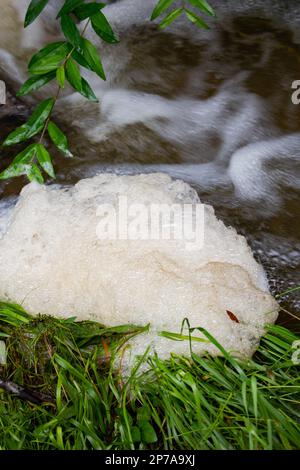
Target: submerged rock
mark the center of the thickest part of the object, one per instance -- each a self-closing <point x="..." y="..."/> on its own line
<point x="52" y="261"/>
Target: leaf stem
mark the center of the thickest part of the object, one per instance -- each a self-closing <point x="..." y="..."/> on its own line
<point x="48" y="118"/>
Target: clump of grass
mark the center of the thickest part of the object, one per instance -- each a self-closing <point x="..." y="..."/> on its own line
<point x="193" y="402"/>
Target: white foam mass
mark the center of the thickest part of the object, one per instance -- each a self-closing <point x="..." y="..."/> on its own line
<point x="52" y="262"/>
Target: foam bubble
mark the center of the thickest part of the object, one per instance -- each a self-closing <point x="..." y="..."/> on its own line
<point x="52" y="262"/>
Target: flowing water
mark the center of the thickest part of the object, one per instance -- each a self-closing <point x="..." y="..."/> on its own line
<point x="213" y="108"/>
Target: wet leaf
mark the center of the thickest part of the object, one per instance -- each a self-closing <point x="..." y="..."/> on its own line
<point x="80" y="60"/>
<point x="204" y="6"/>
<point x="102" y="27"/>
<point x="33" y="11"/>
<point x="170" y="18"/>
<point x="196" y="19"/>
<point x="21" y="163"/>
<point x="69" y="6"/>
<point x="39" y="116"/>
<point x="59" y="139"/>
<point x="44" y="160"/>
<point x="87" y="91"/>
<point x="34" y="83"/>
<point x="34" y="174"/>
<point x="70" y="30"/>
<point x="61" y="76"/>
<point x="16" y="136"/>
<point x="161" y="7"/>
<point x="91" y="55"/>
<point x="73" y="75"/>
<point x="49" y="58"/>
<point x="32" y="126"/>
<point x="87" y="10"/>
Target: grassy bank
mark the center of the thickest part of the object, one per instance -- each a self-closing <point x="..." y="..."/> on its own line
<point x="73" y="399"/>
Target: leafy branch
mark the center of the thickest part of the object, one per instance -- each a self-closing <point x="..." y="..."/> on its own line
<point x="62" y="61"/>
<point x="163" y="5"/>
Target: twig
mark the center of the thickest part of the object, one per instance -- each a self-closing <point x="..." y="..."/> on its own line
<point x="24" y="394"/>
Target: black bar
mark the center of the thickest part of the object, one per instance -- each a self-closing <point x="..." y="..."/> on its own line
<point x="147" y="459"/>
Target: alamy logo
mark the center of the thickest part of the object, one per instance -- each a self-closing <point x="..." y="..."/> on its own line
<point x="2" y="92"/>
<point x="296" y="94"/>
<point x="296" y="353"/>
<point x="127" y="221"/>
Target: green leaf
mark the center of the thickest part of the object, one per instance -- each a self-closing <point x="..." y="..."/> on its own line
<point x="16" y="136"/>
<point x="34" y="83"/>
<point x="196" y="19"/>
<point x="26" y="155"/>
<point x="181" y="337"/>
<point x="162" y="6"/>
<point x="80" y="60"/>
<point x="254" y="395"/>
<point x="70" y="30"/>
<point x="102" y="27"/>
<point x="87" y="10"/>
<point x="170" y="18"/>
<point x="204" y="6"/>
<point x="69" y="6"/>
<point x="49" y="58"/>
<point x="32" y="126"/>
<point x="33" y="11"/>
<point x="21" y="163"/>
<point x="73" y="75"/>
<point x="61" y="76"/>
<point x="39" y="116"/>
<point x="34" y="174"/>
<point x="91" y="55"/>
<point x="81" y="375"/>
<point x="44" y="160"/>
<point x="15" y="170"/>
<point x="87" y="91"/>
<point x="144" y="413"/>
<point x="135" y="434"/>
<point x="148" y="433"/>
<point x="59" y="139"/>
